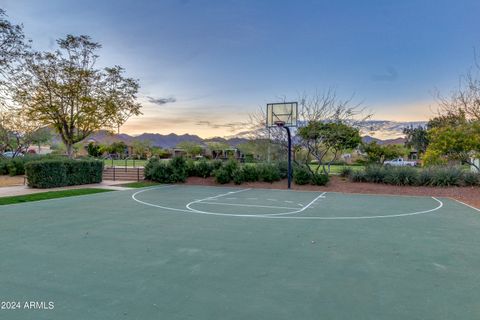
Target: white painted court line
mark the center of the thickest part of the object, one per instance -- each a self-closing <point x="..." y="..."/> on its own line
<point x="245" y="205"/>
<point x="476" y="209"/>
<point x="188" y="206"/>
<point x="282" y="215"/>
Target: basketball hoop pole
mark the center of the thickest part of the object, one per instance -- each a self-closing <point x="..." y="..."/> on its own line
<point x="281" y="124"/>
<point x="289" y="157"/>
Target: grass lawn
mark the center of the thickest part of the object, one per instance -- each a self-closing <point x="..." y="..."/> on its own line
<point x="49" y="195"/>
<point x="129" y="162"/>
<point x="140" y="184"/>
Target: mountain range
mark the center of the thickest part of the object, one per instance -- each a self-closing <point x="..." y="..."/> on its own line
<point x="383" y="132"/>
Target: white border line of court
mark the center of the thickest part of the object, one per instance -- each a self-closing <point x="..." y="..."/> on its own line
<point x="282" y="217"/>
<point x="188" y="206"/>
<point x="474" y="208"/>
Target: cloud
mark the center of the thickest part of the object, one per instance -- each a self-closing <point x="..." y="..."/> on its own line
<point x="161" y="101"/>
<point x="391" y="74"/>
<point x="232" y="126"/>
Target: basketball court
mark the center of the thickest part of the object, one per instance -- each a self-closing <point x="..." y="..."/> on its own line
<point x="180" y="252"/>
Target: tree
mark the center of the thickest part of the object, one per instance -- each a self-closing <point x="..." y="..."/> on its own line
<point x="18" y="131"/>
<point x="330" y="138"/>
<point x="141" y="148"/>
<point x="12" y="50"/>
<point x="41" y="136"/>
<point x="94" y="150"/>
<point x="191" y="148"/>
<point x="377" y="153"/>
<point x="118" y="148"/>
<point x="461" y="143"/>
<point x="64" y="90"/>
<point x="416" y="138"/>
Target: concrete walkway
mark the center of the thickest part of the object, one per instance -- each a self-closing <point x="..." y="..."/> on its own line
<point x="22" y="190"/>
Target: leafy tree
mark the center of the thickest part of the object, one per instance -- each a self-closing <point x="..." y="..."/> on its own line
<point x="41" y="136"/>
<point x="461" y="142"/>
<point x="94" y="150"/>
<point x="12" y="50"/>
<point x="328" y="138"/>
<point x="215" y="146"/>
<point x="18" y="131"/>
<point x="141" y="148"/>
<point x="377" y="153"/>
<point x="65" y="90"/>
<point x="191" y="148"/>
<point x="416" y="138"/>
<point x="119" y="148"/>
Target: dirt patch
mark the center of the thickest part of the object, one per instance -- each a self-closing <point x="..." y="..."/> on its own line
<point x="7" y="181"/>
<point x="470" y="195"/>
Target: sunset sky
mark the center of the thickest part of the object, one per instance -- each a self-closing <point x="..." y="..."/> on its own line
<point x="204" y="66"/>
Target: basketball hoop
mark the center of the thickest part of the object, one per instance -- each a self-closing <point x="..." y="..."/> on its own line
<point x="280" y="123"/>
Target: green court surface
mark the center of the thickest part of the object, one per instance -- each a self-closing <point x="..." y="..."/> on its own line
<point x="191" y="252"/>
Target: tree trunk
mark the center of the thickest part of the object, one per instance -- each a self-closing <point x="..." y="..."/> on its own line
<point x="69" y="150"/>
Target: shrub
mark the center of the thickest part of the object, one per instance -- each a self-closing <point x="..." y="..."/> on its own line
<point x="250" y="173"/>
<point x="447" y="176"/>
<point x="178" y="168"/>
<point x="59" y="173"/>
<point x="238" y="176"/>
<point x="268" y="173"/>
<point x="3" y="167"/>
<point x="203" y="169"/>
<point x="231" y="166"/>
<point x="283" y="169"/>
<point x="301" y="175"/>
<point x="345" y="172"/>
<point x="471" y="179"/>
<point x="149" y="167"/>
<point x="358" y="176"/>
<point x="190" y="168"/>
<point x="217" y="164"/>
<point x="401" y="176"/>
<point x="222" y="176"/>
<point x="319" y="179"/>
<point x="425" y="177"/>
<point x="375" y="174"/>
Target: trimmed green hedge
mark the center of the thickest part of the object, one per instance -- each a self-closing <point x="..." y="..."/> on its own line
<point x="60" y="173"/>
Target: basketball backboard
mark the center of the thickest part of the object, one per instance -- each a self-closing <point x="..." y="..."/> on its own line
<point x="282" y="114"/>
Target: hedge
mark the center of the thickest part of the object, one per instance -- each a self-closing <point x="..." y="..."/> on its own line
<point x="60" y="173"/>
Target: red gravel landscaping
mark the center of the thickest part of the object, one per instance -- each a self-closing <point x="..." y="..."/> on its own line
<point x="469" y="195"/>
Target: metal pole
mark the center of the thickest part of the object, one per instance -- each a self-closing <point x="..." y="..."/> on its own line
<point x="289" y="157"/>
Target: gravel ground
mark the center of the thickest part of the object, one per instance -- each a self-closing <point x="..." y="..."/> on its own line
<point x="7" y="181"/>
<point x="470" y="195"/>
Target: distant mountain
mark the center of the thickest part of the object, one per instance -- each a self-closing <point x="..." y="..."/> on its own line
<point x="369" y="139"/>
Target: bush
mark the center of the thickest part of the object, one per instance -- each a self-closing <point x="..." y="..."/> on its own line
<point x="217" y="164"/>
<point x="425" y="177"/>
<point x="3" y="167"/>
<point x="268" y="173"/>
<point x="238" y="176"/>
<point x="301" y="175"/>
<point x="250" y="173"/>
<point x="447" y="176"/>
<point x="59" y="173"/>
<point x="178" y="168"/>
<point x="358" y="176"/>
<point x="401" y="176"/>
<point x="345" y="172"/>
<point x="375" y="174"/>
<point x="222" y="176"/>
<point x="319" y="179"/>
<point x="231" y="166"/>
<point x="190" y="168"/>
<point x="150" y="166"/>
<point x="283" y="169"/>
<point x="172" y="171"/>
<point x="471" y="179"/>
<point x="203" y="169"/>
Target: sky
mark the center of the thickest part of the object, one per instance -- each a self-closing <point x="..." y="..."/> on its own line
<point x="204" y="66"/>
